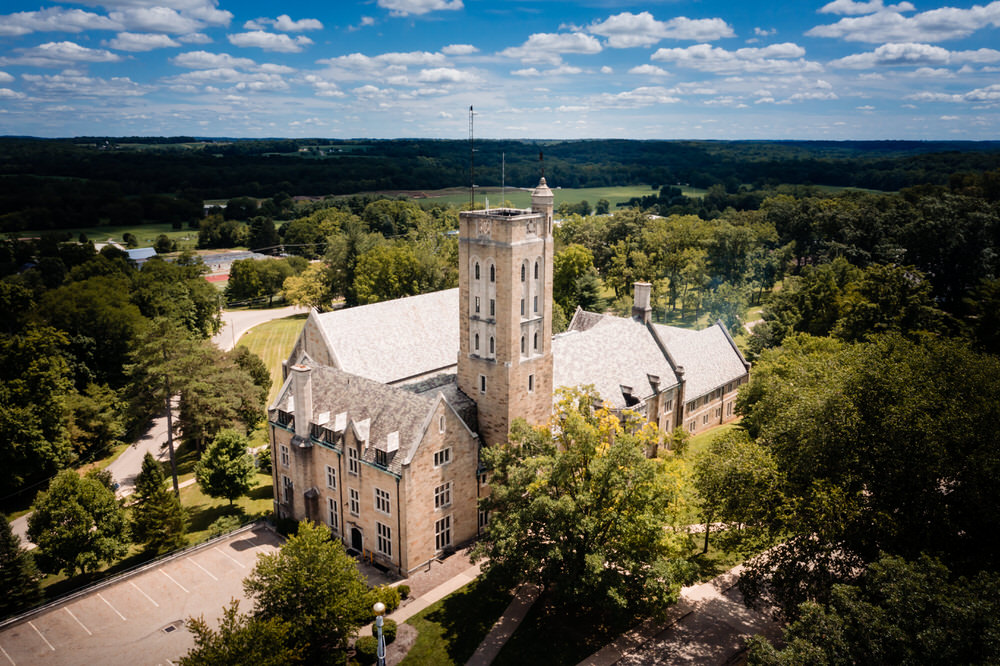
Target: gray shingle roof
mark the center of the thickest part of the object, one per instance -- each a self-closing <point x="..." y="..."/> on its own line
<point x="394" y="340"/>
<point x="708" y="357"/>
<point x="609" y="353"/>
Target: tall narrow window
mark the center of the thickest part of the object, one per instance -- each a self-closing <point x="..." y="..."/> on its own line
<point x="383" y="544"/>
<point x="353" y="463"/>
<point x="522" y="307"/>
<point x="493" y="307"/>
<point x="287" y="487"/>
<point x="482" y="383"/>
<point x="477" y="305"/>
<point x="333" y="515"/>
<point x="442" y="533"/>
<point x="522" y="272"/>
<point x="477" y="270"/>
<point x="492" y="345"/>
<point x="331" y="477"/>
<point x="524" y="345"/>
<point x="355" y="497"/>
<point x="477" y="342"/>
<point x="536" y="270"/>
<point x="531" y="383"/>
<point x="536" y="340"/>
<point x="493" y="273"/>
<point x="536" y="303"/>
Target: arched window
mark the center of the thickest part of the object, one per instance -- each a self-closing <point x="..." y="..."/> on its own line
<point x="477" y="342"/>
<point x="536" y="270"/>
<point x="492" y="345"/>
<point x="536" y="341"/>
<point x="524" y="348"/>
<point x="477" y="270"/>
<point x="493" y="273"/>
<point x="522" y="272"/>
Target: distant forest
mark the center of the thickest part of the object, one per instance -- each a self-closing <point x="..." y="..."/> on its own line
<point x="66" y="183"/>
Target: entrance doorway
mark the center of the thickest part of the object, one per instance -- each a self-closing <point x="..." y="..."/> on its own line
<point x="357" y="540"/>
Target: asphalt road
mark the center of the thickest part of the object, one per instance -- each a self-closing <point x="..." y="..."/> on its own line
<point x="126" y="467"/>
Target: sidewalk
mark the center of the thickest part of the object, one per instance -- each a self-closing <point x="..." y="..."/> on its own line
<point x="501" y="632"/>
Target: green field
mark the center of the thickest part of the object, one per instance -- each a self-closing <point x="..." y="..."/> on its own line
<point x="144" y="233"/>
<point x="521" y="198"/>
<point x="273" y="342"/>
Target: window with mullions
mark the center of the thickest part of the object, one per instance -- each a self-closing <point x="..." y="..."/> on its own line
<point x="382" y="501"/>
<point x="442" y="496"/>
<point x="355" y="498"/>
<point x="353" y="462"/>
<point x="383" y="542"/>
<point x="331" y="477"/>
<point x="333" y="516"/>
<point x="442" y="533"/>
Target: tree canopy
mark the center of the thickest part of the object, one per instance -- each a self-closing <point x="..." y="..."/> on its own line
<point x="226" y="468"/>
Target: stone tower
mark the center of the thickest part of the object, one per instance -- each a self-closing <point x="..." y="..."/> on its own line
<point x="505" y="307"/>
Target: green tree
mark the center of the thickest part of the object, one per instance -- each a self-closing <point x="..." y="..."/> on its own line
<point x="568" y="266"/>
<point x="385" y="272"/>
<point x="727" y="303"/>
<point x="178" y="290"/>
<point x="603" y="207"/>
<point x="253" y="366"/>
<point x="315" y="586"/>
<point x="19" y="576"/>
<point x="738" y="483"/>
<point x="78" y="524"/>
<point x="582" y="511"/>
<point x="226" y="468"/>
<point x="157" y="515"/>
<point x="899" y="612"/>
<point x="343" y="250"/>
<point x="241" y="639"/>
<point x="263" y="236"/>
<point x="164" y="245"/>
<point x="312" y="288"/>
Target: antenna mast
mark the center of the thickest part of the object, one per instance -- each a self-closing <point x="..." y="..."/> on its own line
<point x="472" y="163"/>
<point x="503" y="179"/>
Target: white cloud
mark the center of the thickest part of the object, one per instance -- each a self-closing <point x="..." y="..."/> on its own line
<point x="527" y="71"/>
<point x="195" y="38"/>
<point x="58" y="54"/>
<point x="949" y="118"/>
<point x="783" y="58"/>
<point x="75" y="83"/>
<point x="935" y="25"/>
<point x="205" y="11"/>
<point x="284" y="23"/>
<point x="54" y="19"/>
<point x="407" y="7"/>
<point x="242" y="81"/>
<point x="547" y="47"/>
<point x="270" y="41"/>
<point x="607" y="70"/>
<point x="852" y="8"/>
<point x="931" y="72"/>
<point x="7" y="93"/>
<point x="206" y="60"/>
<point x="988" y="94"/>
<point x="761" y="32"/>
<point x="446" y="75"/>
<point x="639" y="97"/>
<point x="554" y="71"/>
<point x="459" y="49"/>
<point x="135" y="41"/>
<point x="866" y="107"/>
<point x="323" y="87"/>
<point x="806" y="96"/>
<point x="628" y="30"/>
<point x="914" y="55"/>
<point x="156" y="19"/>
<point x="649" y="70"/>
<point x="5" y="77"/>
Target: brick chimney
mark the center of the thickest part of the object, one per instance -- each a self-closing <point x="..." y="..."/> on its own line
<point x="640" y="302"/>
<point x="302" y="392"/>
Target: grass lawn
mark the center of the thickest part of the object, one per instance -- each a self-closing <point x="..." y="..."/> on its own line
<point x="204" y="510"/>
<point x="452" y="629"/>
<point x="273" y="342"/>
<point x="144" y="233"/>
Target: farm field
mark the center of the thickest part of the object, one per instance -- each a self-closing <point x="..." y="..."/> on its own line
<point x="144" y="233"/>
<point x="522" y="198"/>
<point x="273" y="342"/>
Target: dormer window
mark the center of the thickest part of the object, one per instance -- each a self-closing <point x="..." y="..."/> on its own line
<point x="381" y="458"/>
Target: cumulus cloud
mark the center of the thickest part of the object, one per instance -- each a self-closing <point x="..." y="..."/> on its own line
<point x="446" y="75"/>
<point x="914" y="55"/>
<point x="54" y="19"/>
<point x="59" y="54"/>
<point x="935" y="25"/>
<point x="459" y="49"/>
<point x="156" y="19"/>
<point x="138" y="41"/>
<point x="323" y="87"/>
<point x="5" y="77"/>
<point x="639" y="97"/>
<point x="628" y="30"/>
<point x="80" y="85"/>
<point x="648" y="70"/>
<point x="270" y="41"/>
<point x="284" y="23"/>
<point x="783" y="58"/>
<point x="7" y="93"/>
<point x="240" y="81"/>
<point x="206" y="60"/>
<point x="407" y="7"/>
<point x="548" y="47"/>
<point x="989" y="94"/>
<point x="852" y="8"/>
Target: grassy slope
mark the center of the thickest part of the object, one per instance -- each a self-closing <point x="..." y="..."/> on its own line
<point x="272" y="342"/>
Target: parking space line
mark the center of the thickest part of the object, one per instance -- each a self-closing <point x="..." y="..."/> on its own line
<point x="240" y="564"/>
<point x="66" y="608"/>
<point x="8" y="656"/>
<point x="101" y="597"/>
<point x="40" y="635"/>
<point x="174" y="581"/>
<point x="145" y="595"/>
<point x="203" y="569"/>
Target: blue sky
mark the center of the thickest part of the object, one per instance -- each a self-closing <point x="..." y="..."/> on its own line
<point x="532" y="69"/>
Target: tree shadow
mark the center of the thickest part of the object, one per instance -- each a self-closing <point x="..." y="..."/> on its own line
<point x="262" y="492"/>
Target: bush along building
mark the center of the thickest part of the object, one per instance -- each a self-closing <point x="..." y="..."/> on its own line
<point x="377" y="428"/>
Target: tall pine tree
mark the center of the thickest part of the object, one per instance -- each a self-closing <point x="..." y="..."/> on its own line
<point x="226" y="468"/>
<point x="157" y="516"/>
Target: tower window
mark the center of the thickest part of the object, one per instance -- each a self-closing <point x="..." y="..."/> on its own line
<point x="477" y="270"/>
<point x="493" y="307"/>
<point x="482" y="383"/>
<point x="536" y="341"/>
<point x="524" y="345"/>
<point x="523" y="270"/>
<point x="476" y="347"/>
<point x="536" y="270"/>
<point x="536" y="303"/>
<point x="493" y="273"/>
<point x="522" y="307"/>
<point x="492" y="345"/>
<point x="531" y="383"/>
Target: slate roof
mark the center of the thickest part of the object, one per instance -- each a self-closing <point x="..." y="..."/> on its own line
<point x="609" y="353"/>
<point x="708" y="356"/>
<point x="368" y="404"/>
<point x="394" y="340"/>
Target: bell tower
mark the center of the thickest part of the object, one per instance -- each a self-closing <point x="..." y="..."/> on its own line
<point x="505" y="308"/>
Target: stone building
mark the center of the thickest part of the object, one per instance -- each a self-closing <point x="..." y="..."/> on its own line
<point x="377" y="428"/>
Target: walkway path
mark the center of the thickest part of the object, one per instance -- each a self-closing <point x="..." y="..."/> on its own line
<point x="505" y="626"/>
<point x="237" y="322"/>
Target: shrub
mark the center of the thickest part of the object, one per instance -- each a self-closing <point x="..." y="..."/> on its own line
<point x="366" y="650"/>
<point x="264" y="460"/>
<point x="389" y="596"/>
<point x="224" y="525"/>
<point x="388" y="630"/>
<point x="404" y="591"/>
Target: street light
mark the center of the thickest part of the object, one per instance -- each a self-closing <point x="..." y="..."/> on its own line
<point x="379" y="609"/>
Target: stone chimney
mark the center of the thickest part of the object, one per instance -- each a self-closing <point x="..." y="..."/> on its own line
<point x="302" y="392"/>
<point x="640" y="303"/>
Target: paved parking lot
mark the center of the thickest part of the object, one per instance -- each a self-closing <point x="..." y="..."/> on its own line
<point x="139" y="619"/>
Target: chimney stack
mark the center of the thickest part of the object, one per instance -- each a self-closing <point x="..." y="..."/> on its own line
<point x="640" y="303"/>
<point x="302" y="391"/>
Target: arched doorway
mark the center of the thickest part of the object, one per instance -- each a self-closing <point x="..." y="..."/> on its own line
<point x="357" y="540"/>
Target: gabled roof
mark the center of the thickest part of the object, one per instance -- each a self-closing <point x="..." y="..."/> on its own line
<point x="609" y="353"/>
<point x="709" y="357"/>
<point x="395" y="340"/>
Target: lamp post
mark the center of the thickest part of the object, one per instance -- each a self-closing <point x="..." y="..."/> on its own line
<point x="379" y="609"/>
